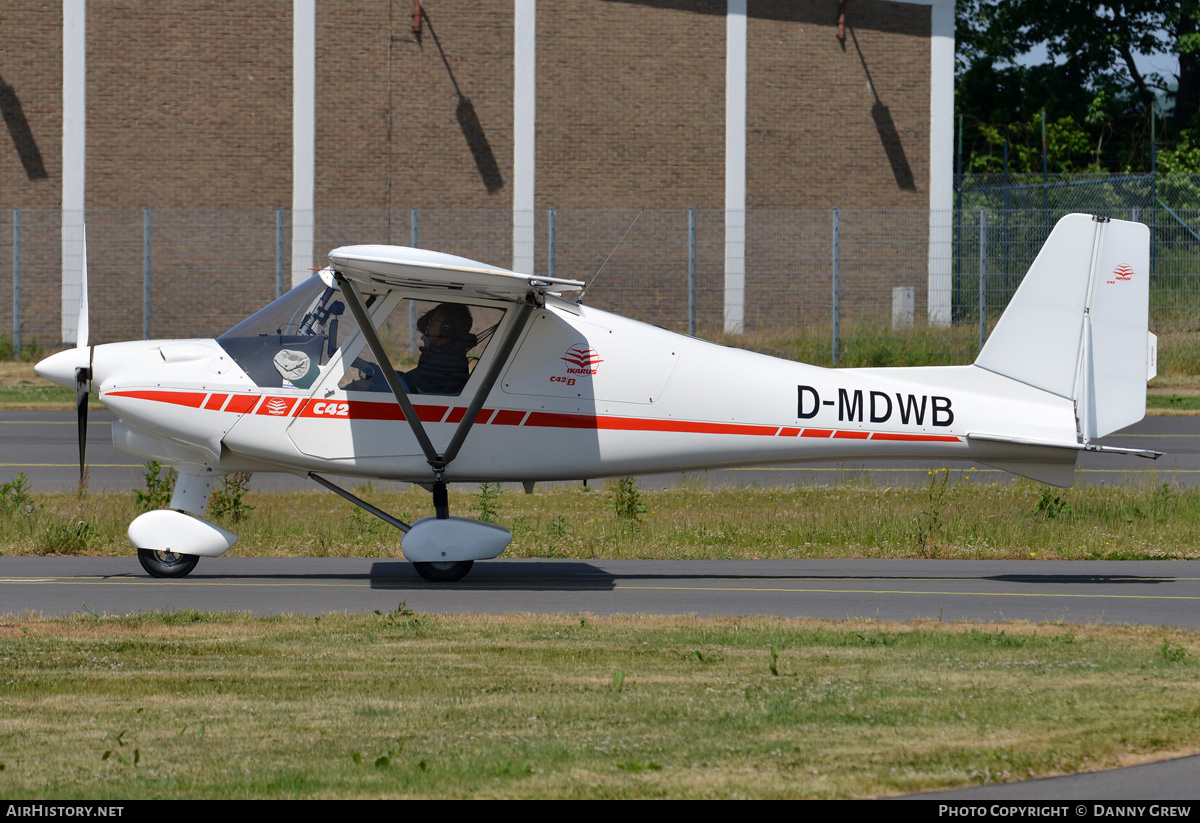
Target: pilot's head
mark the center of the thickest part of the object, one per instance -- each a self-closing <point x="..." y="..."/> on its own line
<point x="445" y="323"/>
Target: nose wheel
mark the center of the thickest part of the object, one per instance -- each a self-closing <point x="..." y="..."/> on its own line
<point x="444" y="572"/>
<point x="170" y="564"/>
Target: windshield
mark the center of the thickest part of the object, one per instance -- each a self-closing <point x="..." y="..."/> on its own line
<point x="286" y="343"/>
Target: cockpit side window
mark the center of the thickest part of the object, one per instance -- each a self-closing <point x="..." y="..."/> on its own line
<point x="286" y="344"/>
<point x="433" y="346"/>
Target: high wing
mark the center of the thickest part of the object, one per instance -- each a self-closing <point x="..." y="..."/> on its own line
<point x="382" y="268"/>
<point x="357" y="269"/>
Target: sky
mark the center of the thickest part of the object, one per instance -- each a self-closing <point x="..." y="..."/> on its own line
<point x="1162" y="63"/>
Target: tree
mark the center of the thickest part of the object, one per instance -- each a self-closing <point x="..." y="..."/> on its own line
<point x="1089" y="75"/>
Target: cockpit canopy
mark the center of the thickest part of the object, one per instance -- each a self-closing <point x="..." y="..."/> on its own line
<point x="284" y="344"/>
<point x="288" y="343"/>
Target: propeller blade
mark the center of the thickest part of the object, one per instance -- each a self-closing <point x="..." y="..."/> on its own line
<point x="81" y="335"/>
<point x="83" y="385"/>
<point x="81" y="410"/>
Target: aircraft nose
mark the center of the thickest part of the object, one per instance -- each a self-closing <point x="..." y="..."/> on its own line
<point x="60" y="368"/>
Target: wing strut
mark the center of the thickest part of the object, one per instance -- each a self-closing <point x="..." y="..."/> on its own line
<point x="350" y="292"/>
<point x="362" y="504"/>
<point x="506" y="344"/>
<point x="437" y="462"/>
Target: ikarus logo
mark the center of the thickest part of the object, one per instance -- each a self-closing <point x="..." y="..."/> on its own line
<point x="1122" y="272"/>
<point x="277" y="406"/>
<point x="581" y="360"/>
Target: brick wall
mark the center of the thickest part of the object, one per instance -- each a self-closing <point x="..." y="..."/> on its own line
<point x="446" y="92"/>
<point x="189" y="107"/>
<point x="31" y="161"/>
<point x="630" y="104"/>
<point x="828" y="126"/>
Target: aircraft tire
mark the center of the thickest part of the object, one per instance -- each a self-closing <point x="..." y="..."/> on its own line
<point x="166" y="564"/>
<point x="444" y="572"/>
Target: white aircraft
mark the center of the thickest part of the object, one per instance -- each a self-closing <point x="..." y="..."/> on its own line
<point x="516" y="383"/>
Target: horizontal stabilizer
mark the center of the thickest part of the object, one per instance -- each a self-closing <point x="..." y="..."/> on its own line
<point x="1052" y="463"/>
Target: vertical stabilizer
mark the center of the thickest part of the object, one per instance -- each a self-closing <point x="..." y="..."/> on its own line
<point x="1077" y="325"/>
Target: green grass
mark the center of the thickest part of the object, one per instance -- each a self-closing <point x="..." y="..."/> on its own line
<point x="975" y="515"/>
<point x="191" y="705"/>
<point x="14" y="396"/>
<point x="860" y="344"/>
<point x="1180" y="402"/>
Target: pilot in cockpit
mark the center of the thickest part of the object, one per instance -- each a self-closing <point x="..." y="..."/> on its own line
<point x="442" y="368"/>
<point x="446" y="338"/>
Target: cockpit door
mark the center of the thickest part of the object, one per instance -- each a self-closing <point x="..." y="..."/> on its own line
<point x="351" y="415"/>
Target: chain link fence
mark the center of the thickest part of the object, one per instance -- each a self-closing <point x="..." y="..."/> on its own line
<point x="849" y="287"/>
<point x="1001" y="222"/>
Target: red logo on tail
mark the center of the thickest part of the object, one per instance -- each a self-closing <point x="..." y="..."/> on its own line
<point x="1123" y="272"/>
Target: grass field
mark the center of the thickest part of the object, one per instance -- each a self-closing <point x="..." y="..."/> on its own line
<point x="955" y="515"/>
<point x="403" y="705"/>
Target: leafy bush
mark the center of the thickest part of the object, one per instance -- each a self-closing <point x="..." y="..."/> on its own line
<point x="487" y="502"/>
<point x="625" y="500"/>
<point x="1051" y="506"/>
<point x="30" y="352"/>
<point x="159" y="485"/>
<point x="226" y="500"/>
<point x="15" y="496"/>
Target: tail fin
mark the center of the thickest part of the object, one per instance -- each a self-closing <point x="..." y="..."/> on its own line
<point x="1077" y="325"/>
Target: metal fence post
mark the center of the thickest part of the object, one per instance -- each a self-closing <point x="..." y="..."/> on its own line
<point x="146" y="273"/>
<point x="1046" y="177"/>
<point x="956" y="233"/>
<point x="16" y="338"/>
<point x="692" y="272"/>
<point x="1153" y="187"/>
<point x="982" y="278"/>
<point x="1005" y="237"/>
<point x="412" y="304"/>
<point x="278" y="252"/>
<point x="552" y="241"/>
<point x="837" y="300"/>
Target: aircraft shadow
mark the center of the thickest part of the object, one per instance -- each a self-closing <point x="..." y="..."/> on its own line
<point x="581" y="575"/>
<point x="511" y="574"/>
<point x="578" y="575"/>
<point x="1078" y="578"/>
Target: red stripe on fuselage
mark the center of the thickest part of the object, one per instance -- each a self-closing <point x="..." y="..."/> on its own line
<point x="242" y="403"/>
<point x="175" y="398"/>
<point x="388" y="411"/>
<point x="936" y="438"/>
<point x="459" y="412"/>
<point x="508" y="417"/>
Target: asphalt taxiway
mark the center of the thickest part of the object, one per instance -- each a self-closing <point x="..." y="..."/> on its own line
<point x="1164" y="593"/>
